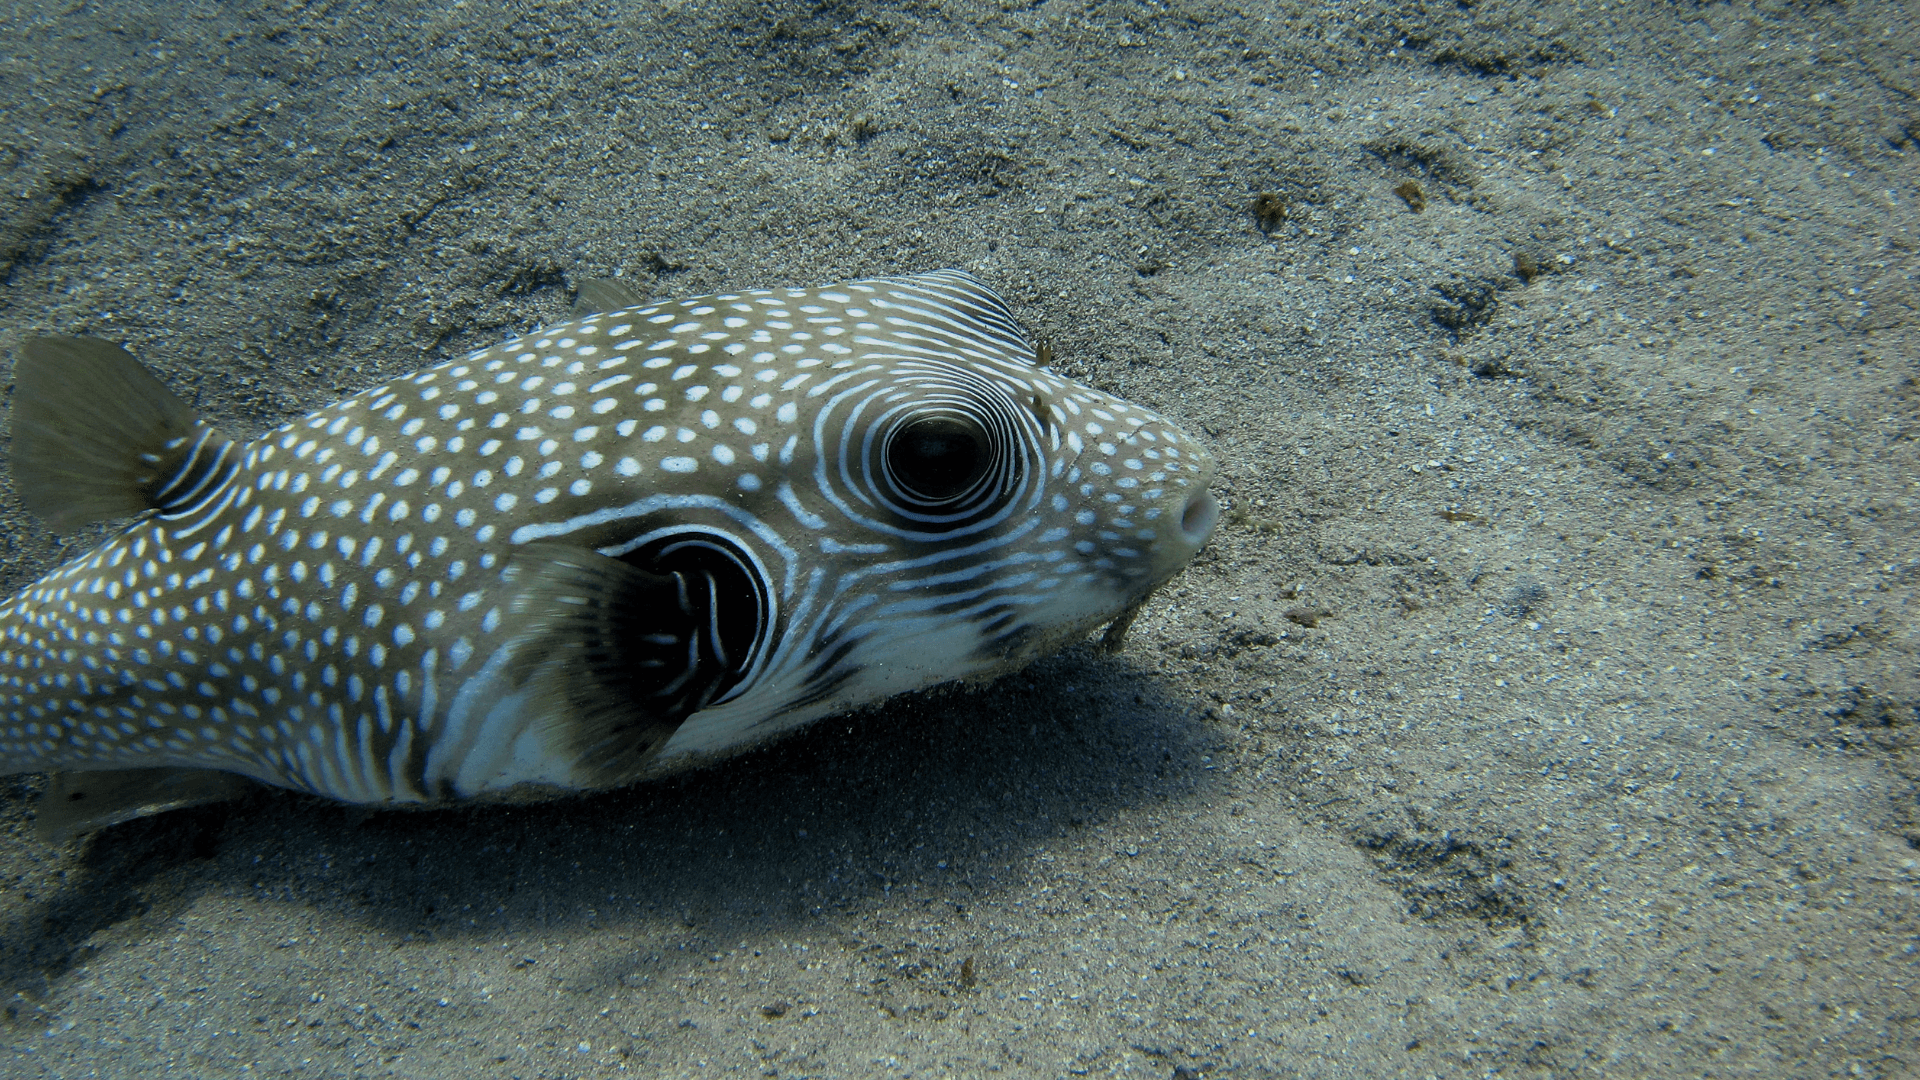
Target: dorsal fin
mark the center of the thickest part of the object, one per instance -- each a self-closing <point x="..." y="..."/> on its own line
<point x="82" y="802"/>
<point x="96" y="436"/>
<point x="604" y="294"/>
<point x="963" y="300"/>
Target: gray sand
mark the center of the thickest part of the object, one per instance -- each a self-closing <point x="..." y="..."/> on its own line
<point x="1545" y="706"/>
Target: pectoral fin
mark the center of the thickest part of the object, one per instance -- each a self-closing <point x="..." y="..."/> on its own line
<point x="617" y="657"/>
<point x="83" y="802"/>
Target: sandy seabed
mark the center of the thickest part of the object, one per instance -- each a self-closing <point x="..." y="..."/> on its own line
<point x="1546" y="705"/>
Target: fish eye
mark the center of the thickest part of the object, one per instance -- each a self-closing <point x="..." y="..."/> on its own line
<point x="936" y="459"/>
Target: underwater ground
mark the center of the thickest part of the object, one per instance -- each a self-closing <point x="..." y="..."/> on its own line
<point x="1546" y="705"/>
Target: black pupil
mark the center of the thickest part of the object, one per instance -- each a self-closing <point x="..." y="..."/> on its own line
<point x="939" y="457"/>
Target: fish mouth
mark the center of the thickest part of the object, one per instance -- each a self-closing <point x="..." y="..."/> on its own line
<point x="1197" y="521"/>
<point x="1202" y="513"/>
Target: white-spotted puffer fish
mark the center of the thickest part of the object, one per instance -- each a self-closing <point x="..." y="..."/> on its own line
<point x="614" y="547"/>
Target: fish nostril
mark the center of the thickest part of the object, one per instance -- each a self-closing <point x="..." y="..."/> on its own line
<point x="1200" y="516"/>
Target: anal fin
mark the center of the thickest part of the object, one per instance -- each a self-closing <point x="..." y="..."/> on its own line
<point x="83" y="802"/>
<point x="96" y="436"/>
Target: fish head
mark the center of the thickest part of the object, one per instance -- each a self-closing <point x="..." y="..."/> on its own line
<point x="1021" y="508"/>
<point x="882" y="489"/>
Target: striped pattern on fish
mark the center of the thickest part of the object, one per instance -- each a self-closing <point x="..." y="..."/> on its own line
<point x="613" y="547"/>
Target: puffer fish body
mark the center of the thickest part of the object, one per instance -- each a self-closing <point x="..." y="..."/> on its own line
<point x="612" y="548"/>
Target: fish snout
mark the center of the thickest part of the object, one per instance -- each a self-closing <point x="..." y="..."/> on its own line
<point x="1192" y="512"/>
<point x="1198" y="519"/>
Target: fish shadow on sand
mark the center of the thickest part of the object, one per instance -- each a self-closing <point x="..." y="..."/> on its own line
<point x="932" y="799"/>
<point x="125" y="875"/>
